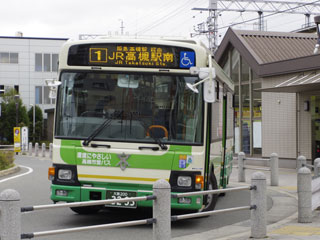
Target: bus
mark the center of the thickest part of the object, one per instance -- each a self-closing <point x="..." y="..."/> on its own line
<point x="132" y="111"/>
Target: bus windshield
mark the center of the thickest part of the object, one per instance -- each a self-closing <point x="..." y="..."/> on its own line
<point x="137" y="107"/>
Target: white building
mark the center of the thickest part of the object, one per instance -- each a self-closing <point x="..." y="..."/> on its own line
<point x="25" y="63"/>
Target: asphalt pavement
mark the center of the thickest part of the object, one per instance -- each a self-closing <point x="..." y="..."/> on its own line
<point x="282" y="217"/>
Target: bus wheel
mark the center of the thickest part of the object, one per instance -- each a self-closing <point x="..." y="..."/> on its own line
<point x="211" y="198"/>
<point x="86" y="210"/>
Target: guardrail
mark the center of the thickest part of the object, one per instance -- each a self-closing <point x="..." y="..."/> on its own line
<point x="6" y="147"/>
<point x="308" y="188"/>
<point x="10" y="217"/>
<point x="274" y="167"/>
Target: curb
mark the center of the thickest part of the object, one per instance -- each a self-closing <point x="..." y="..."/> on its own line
<point x="14" y="169"/>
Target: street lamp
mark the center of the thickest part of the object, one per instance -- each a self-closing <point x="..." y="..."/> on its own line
<point x="317" y="22"/>
<point x="34" y="122"/>
<point x="16" y="99"/>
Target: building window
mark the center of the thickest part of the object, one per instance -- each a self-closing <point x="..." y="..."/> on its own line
<point x="14" y="58"/>
<point x="1" y="90"/>
<point x="46" y="62"/>
<point x="55" y="58"/>
<point x="247" y="104"/>
<point x="38" y="63"/>
<point x="42" y="95"/>
<point x="6" y="57"/>
<point x="38" y="95"/>
<point x="16" y="88"/>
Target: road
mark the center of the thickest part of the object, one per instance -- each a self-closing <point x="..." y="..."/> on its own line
<point x="34" y="189"/>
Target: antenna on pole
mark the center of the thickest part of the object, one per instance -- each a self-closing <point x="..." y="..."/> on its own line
<point x="121" y="26"/>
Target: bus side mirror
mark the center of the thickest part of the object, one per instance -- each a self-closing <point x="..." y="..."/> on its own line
<point x="208" y="78"/>
<point x="53" y="84"/>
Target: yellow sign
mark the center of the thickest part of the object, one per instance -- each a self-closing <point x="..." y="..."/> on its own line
<point x="17" y="139"/>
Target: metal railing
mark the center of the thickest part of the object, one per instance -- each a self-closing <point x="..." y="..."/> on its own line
<point x="274" y="167"/>
<point x="10" y="217"/>
<point x="6" y="147"/>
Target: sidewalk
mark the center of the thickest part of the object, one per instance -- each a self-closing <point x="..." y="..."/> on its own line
<point x="282" y="218"/>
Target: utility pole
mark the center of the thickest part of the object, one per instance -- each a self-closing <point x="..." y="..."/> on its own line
<point x="210" y="28"/>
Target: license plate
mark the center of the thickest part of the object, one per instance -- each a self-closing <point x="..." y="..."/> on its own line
<point x="120" y="195"/>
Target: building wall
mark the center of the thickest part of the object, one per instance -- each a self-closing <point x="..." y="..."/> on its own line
<point x="305" y="138"/>
<point x="278" y="121"/>
<point x="23" y="74"/>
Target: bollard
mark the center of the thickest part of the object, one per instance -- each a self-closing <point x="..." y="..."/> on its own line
<point x="43" y="150"/>
<point x="162" y="210"/>
<point x="36" y="149"/>
<point x="317" y="171"/>
<point x="30" y="149"/>
<point x="10" y="217"/>
<point x="259" y="199"/>
<point x="241" y="171"/>
<point x="301" y="161"/>
<point x="274" y="169"/>
<point x="304" y="195"/>
<point x="316" y="167"/>
<point x="50" y="150"/>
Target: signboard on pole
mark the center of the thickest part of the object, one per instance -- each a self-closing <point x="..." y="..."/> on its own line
<point x="24" y="139"/>
<point x="17" y="139"/>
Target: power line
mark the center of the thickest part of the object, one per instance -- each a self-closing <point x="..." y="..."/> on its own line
<point x="171" y="14"/>
<point x="269" y="15"/>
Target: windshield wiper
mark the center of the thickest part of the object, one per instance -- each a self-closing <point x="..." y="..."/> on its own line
<point x="105" y="124"/>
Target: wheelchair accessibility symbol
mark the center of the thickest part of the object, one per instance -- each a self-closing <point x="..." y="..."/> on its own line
<point x="186" y="59"/>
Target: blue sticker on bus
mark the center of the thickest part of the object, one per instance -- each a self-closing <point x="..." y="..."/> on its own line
<point x="186" y="59"/>
<point x="182" y="163"/>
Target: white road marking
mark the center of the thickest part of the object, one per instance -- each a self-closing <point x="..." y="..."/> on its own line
<point x="30" y="170"/>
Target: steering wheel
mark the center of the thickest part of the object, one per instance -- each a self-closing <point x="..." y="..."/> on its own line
<point x="158" y="126"/>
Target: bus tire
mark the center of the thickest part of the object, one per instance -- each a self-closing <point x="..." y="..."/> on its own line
<point x="211" y="198"/>
<point x="86" y="210"/>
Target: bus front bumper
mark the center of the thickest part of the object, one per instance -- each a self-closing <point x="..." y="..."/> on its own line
<point x="63" y="193"/>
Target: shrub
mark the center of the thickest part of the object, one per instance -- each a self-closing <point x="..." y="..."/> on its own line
<point x="6" y="159"/>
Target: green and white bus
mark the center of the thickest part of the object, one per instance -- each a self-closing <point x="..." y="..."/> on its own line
<point x="126" y="116"/>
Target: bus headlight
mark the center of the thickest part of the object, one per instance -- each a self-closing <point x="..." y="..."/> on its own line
<point x="184" y="181"/>
<point x="65" y="174"/>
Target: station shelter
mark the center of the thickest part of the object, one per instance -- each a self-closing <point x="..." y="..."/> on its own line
<point x="277" y="92"/>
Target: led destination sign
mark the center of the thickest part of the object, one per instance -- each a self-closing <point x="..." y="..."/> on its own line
<point x="131" y="55"/>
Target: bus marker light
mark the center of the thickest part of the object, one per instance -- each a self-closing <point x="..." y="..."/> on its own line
<point x="60" y="192"/>
<point x="199" y="182"/>
<point x="51" y="173"/>
<point x="184" y="200"/>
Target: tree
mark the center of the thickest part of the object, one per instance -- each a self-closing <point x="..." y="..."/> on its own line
<point x="9" y="113"/>
<point x="38" y="124"/>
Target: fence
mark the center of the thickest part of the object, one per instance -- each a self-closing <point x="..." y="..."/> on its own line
<point x="274" y="167"/>
<point x="10" y="217"/>
<point x="308" y="189"/>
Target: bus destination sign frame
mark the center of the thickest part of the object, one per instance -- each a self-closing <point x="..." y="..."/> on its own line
<point x="131" y="55"/>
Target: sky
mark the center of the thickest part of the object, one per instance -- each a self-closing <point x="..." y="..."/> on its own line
<point x="69" y="18"/>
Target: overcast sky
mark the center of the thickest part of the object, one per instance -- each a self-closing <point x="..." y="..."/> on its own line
<point x="69" y="18"/>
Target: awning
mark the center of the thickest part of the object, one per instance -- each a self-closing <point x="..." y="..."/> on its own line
<point x="299" y="83"/>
